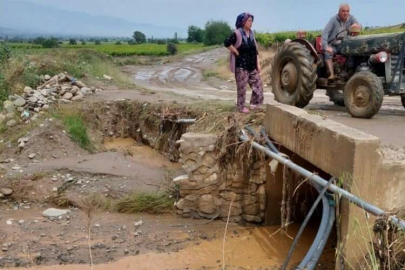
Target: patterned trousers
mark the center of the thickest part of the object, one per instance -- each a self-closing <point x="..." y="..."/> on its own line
<point x="243" y="78"/>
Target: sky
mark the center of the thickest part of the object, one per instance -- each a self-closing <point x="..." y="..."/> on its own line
<point x="270" y="15"/>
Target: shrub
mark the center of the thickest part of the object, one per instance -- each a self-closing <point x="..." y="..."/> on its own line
<point x="171" y="48"/>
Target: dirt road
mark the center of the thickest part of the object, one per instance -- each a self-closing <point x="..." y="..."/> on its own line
<point x="185" y="77"/>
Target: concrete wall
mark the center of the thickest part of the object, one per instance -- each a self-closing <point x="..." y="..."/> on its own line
<point x="348" y="154"/>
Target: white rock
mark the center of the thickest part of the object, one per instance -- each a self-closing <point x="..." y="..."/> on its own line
<point x="53" y="212"/>
<point x="23" y="139"/>
<point x="9" y="222"/>
<point x="45" y="107"/>
<point x="21" y="145"/>
<point x="2" y="118"/>
<point x="31" y="156"/>
<point x="47" y="77"/>
<point x="138" y="224"/>
<point x="107" y="77"/>
<point x="27" y="90"/>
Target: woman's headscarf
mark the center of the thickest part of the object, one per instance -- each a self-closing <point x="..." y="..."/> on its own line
<point x="242" y="19"/>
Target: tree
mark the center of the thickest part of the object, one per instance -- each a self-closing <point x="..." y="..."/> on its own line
<point x="216" y="32"/>
<point x="97" y="42"/>
<point x="195" y="34"/>
<point x="72" y="41"/>
<point x="131" y="42"/>
<point x="118" y="42"/>
<point x="50" y="43"/>
<point x="139" y="37"/>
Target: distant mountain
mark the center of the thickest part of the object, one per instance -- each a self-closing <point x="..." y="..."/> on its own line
<point x="24" y="17"/>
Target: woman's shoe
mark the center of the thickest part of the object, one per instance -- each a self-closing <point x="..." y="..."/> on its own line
<point x="245" y="110"/>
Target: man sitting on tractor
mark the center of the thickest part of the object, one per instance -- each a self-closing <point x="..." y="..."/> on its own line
<point x="335" y="30"/>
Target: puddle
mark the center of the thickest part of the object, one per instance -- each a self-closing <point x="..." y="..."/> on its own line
<point x="143" y="75"/>
<point x="182" y="74"/>
<point x="140" y="154"/>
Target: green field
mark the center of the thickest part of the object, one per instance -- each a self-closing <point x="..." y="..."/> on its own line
<point x="268" y="39"/>
<point x="120" y="50"/>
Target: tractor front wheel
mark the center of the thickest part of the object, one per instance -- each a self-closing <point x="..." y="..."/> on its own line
<point x="363" y="95"/>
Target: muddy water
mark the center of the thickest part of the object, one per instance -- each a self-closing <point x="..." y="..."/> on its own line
<point x="247" y="248"/>
<point x="140" y="153"/>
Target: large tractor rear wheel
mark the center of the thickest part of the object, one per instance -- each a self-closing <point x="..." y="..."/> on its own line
<point x="363" y="94"/>
<point x="293" y="75"/>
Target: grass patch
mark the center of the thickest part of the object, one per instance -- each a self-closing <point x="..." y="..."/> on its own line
<point x="209" y="73"/>
<point x="77" y="130"/>
<point x="75" y="125"/>
<point x="142" y="202"/>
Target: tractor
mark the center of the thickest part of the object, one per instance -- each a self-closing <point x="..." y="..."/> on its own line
<point x="366" y="68"/>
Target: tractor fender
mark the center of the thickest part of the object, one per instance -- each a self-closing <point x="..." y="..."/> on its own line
<point x="309" y="46"/>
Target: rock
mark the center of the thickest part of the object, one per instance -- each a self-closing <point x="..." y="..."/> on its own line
<point x="44" y="92"/>
<point x="2" y="118"/>
<point x="37" y="110"/>
<point x="19" y="102"/>
<point x="23" y="139"/>
<point x="97" y="225"/>
<point x="27" y="90"/>
<point x="223" y="88"/>
<point x="67" y="96"/>
<point x="85" y="91"/>
<point x="138" y="224"/>
<point x="252" y="209"/>
<point x="9" y="222"/>
<point x="33" y="99"/>
<point x="107" y="77"/>
<point x="78" y="98"/>
<point x="10" y="116"/>
<point x="45" y="107"/>
<point x="254" y="219"/>
<point x="16" y="168"/>
<point x="1" y="196"/>
<point x="65" y="101"/>
<point x="11" y="123"/>
<point x="180" y="204"/>
<point x="191" y="198"/>
<point x="206" y="204"/>
<point x="6" y="191"/>
<point x="80" y="84"/>
<point x="8" y="106"/>
<point x="74" y="90"/>
<point x="31" y="156"/>
<point x="21" y="145"/>
<point x="47" y="77"/>
<point x="52" y="212"/>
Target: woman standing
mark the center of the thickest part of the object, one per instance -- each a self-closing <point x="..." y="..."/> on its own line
<point x="245" y="63"/>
